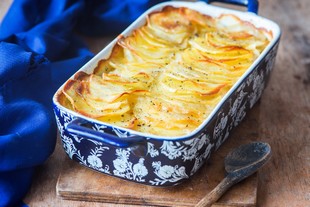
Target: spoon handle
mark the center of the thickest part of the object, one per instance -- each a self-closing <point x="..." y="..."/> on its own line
<point x="216" y="193"/>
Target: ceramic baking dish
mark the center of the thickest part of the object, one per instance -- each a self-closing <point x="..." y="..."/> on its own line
<point x="166" y="161"/>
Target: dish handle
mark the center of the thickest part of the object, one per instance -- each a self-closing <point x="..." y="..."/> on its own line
<point x="137" y="144"/>
<point x="252" y="5"/>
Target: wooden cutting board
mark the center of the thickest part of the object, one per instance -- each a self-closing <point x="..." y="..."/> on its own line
<point x="77" y="182"/>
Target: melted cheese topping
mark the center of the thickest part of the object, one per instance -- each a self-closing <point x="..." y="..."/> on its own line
<point x="167" y="76"/>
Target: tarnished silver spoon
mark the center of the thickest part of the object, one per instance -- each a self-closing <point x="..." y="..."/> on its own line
<point x="239" y="164"/>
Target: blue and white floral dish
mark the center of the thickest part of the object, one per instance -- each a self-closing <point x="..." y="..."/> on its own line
<point x="164" y="161"/>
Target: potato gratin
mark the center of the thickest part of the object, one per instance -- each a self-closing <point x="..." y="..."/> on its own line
<point x="168" y="75"/>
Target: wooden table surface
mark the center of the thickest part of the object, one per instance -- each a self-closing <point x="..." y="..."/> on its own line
<point x="282" y="118"/>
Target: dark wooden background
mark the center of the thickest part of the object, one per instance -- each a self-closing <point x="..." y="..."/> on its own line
<point x="282" y="118"/>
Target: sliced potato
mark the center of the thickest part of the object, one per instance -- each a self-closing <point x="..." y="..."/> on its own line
<point x="168" y="75"/>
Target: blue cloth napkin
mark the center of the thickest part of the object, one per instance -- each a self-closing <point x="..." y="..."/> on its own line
<point x="39" y="50"/>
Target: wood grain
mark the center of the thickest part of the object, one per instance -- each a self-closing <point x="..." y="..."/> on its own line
<point x="285" y="109"/>
<point x="282" y="119"/>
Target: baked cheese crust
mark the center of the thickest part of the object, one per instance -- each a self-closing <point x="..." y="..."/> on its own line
<point x="168" y="75"/>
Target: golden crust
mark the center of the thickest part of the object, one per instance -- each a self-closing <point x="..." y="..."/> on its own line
<point x="168" y="75"/>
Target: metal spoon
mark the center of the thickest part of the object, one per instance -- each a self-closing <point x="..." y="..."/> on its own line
<point x="239" y="164"/>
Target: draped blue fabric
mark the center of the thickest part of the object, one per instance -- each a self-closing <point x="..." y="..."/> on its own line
<point x="39" y="50"/>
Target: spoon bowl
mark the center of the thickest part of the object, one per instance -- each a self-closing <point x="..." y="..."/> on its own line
<point x="239" y="164"/>
<point x="247" y="159"/>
